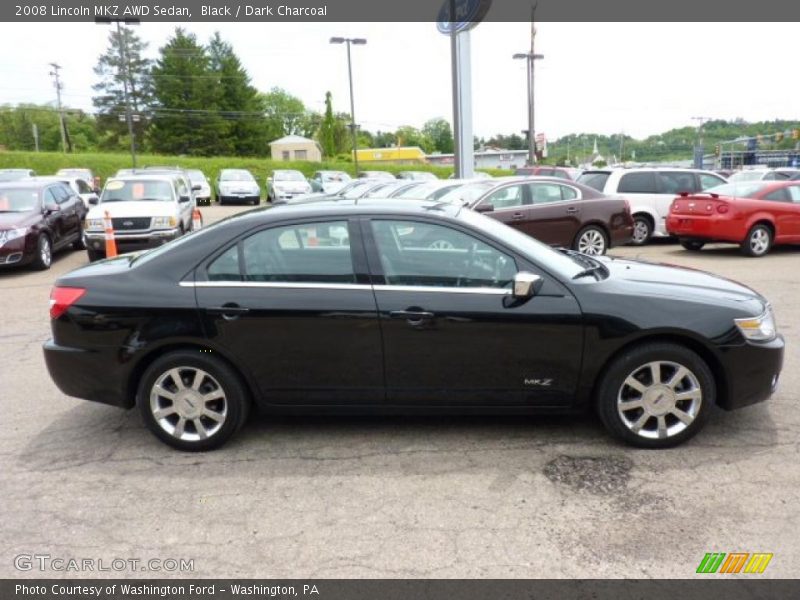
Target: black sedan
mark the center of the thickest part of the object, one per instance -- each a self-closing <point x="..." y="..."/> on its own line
<point x="332" y="305"/>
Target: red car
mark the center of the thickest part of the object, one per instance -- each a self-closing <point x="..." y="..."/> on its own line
<point x="753" y="214"/>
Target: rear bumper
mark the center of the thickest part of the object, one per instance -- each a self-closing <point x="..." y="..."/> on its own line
<point x="619" y="236"/>
<point x="753" y="373"/>
<point x="89" y="374"/>
<point x="702" y="228"/>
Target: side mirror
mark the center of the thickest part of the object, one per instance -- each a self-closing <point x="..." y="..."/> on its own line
<point x="484" y="207"/>
<point x="184" y="199"/>
<point x="51" y="207"/>
<point x="526" y="285"/>
<point x="94" y="200"/>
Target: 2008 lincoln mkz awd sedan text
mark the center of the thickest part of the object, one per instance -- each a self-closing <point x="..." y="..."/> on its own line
<point x="341" y="305"/>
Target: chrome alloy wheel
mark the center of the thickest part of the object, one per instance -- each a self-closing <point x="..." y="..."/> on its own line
<point x="759" y="241"/>
<point x="45" y="251"/>
<point x="641" y="231"/>
<point x="188" y="403"/>
<point x="592" y="243"/>
<point x="659" y="399"/>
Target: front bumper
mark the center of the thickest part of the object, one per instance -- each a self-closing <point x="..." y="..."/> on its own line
<point x="753" y="371"/>
<point x="134" y="241"/>
<point x="17" y="252"/>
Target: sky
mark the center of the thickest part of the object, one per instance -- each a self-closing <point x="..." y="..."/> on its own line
<point x="635" y="78"/>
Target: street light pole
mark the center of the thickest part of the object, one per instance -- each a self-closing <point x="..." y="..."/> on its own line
<point x="530" y="58"/>
<point x="353" y="127"/>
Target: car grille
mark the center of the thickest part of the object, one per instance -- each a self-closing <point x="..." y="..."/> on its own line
<point x="131" y="223"/>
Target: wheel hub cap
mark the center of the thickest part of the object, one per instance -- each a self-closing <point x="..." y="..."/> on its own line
<point x="659" y="400"/>
<point x="188" y="403"/>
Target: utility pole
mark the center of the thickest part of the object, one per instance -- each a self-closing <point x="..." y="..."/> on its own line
<point x="531" y="57"/>
<point x="353" y="126"/>
<point x="58" y="85"/>
<point x="35" y="136"/>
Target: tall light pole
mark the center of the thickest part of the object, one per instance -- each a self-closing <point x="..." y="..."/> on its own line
<point x="531" y="57"/>
<point x="699" y="150"/>
<point x="55" y="73"/>
<point x="353" y="129"/>
<point x="125" y="74"/>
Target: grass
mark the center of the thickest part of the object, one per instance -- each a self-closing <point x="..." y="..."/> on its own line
<point x="106" y="164"/>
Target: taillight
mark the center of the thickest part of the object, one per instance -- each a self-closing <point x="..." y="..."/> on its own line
<point x="61" y="298"/>
<point x="722" y="208"/>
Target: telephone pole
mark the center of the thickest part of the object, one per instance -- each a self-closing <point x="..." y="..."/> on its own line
<point x="59" y="86"/>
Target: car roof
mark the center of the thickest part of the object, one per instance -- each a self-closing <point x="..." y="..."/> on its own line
<point x="145" y="177"/>
<point x="26" y="183"/>
<point x="345" y="207"/>
<point x="55" y="178"/>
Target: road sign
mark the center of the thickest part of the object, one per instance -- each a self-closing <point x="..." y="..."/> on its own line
<point x="468" y="14"/>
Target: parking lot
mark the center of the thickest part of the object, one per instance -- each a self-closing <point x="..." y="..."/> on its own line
<point x="396" y="497"/>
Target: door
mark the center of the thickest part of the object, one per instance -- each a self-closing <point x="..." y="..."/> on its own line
<point x="780" y="204"/>
<point x="451" y="334"/>
<point x="292" y="305"/>
<point x="508" y="205"/>
<point x="555" y="215"/>
<point x="65" y="221"/>
<point x="794" y="195"/>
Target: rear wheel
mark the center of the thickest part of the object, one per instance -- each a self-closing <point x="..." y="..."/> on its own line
<point x="591" y="240"/>
<point x="656" y="395"/>
<point x="642" y="230"/>
<point x="692" y="245"/>
<point x="44" y="253"/>
<point x="758" y="241"/>
<point x="191" y="401"/>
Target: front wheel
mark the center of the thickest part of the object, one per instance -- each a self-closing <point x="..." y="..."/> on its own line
<point x="44" y="254"/>
<point x="591" y="240"/>
<point x="80" y="243"/>
<point x="642" y="230"/>
<point x="656" y="396"/>
<point x="758" y="241"/>
<point x="192" y="401"/>
<point x="692" y="245"/>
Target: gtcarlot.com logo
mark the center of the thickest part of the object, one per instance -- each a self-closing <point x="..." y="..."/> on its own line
<point x="735" y="562"/>
<point x="47" y="562"/>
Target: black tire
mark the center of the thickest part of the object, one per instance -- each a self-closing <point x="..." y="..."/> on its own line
<point x="95" y="255"/>
<point x="634" y="364"/>
<point x="222" y="376"/>
<point x="255" y="201"/>
<point x="758" y="241"/>
<point x="642" y="230"/>
<point x="222" y="200"/>
<point x="692" y="245"/>
<point x="80" y="243"/>
<point x="44" y="253"/>
<point x="594" y="240"/>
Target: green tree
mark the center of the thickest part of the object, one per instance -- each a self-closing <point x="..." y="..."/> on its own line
<point x="411" y="136"/>
<point x="439" y="132"/>
<point x="16" y="128"/>
<point x="186" y="100"/>
<point x="284" y="113"/>
<point x="113" y="73"/>
<point x="327" y="138"/>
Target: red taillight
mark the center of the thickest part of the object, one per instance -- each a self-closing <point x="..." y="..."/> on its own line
<point x="61" y="298"/>
<point x="722" y="208"/>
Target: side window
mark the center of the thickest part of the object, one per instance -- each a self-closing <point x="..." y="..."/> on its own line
<point x="675" y="182"/>
<point x="507" y="197"/>
<point x="709" y="181"/>
<point x="226" y="266"/>
<point x="779" y="195"/>
<point x="83" y="187"/>
<point x="307" y="253"/>
<point x="50" y="197"/>
<point x="180" y="189"/>
<point x="424" y="254"/>
<point x="62" y="193"/>
<point x="568" y="193"/>
<point x="794" y="193"/>
<point x="544" y="193"/>
<point x="638" y="183"/>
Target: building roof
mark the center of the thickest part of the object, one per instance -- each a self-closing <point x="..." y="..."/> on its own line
<point x="293" y="139"/>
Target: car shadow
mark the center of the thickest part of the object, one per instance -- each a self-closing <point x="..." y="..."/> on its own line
<point x="12" y="272"/>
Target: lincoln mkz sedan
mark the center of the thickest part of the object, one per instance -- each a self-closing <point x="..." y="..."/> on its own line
<point x="334" y="305"/>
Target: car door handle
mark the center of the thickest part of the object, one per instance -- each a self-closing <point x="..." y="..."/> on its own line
<point x="229" y="311"/>
<point x="517" y="216"/>
<point x="572" y="210"/>
<point x="412" y="316"/>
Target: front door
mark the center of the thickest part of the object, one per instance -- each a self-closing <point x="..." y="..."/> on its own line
<point x="555" y="215"/>
<point x="451" y="334"/>
<point x="292" y="307"/>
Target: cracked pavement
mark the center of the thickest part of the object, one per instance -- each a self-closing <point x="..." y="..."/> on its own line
<point x="395" y="497"/>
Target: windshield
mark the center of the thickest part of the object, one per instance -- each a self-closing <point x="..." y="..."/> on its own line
<point x="137" y="190"/>
<point x="553" y="261"/>
<point x="18" y="200"/>
<point x="289" y="176"/>
<point x="737" y="190"/>
<point x="196" y="176"/>
<point x="334" y="176"/>
<point x="236" y="175"/>
<point x="12" y="175"/>
<point x="356" y="191"/>
<point x="747" y="176"/>
<point x="467" y="194"/>
<point x="596" y="180"/>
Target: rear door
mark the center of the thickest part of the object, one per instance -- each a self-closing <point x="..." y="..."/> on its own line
<point x="641" y="190"/>
<point x="555" y="213"/>
<point x="293" y="306"/>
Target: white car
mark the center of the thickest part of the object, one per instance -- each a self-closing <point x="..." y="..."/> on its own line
<point x="286" y="184"/>
<point x="202" y="194"/>
<point x="145" y="210"/>
<point x="781" y="174"/>
<point x="330" y="182"/>
<point x="237" y="184"/>
<point x="650" y="192"/>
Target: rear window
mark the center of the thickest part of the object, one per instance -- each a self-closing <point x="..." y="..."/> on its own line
<point x="596" y="179"/>
<point x="638" y="183"/>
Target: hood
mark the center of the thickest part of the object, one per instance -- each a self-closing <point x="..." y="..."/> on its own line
<point x="292" y="186"/>
<point x="12" y="220"/>
<point x="147" y="208"/>
<point x="331" y="187"/>
<point x="682" y="283"/>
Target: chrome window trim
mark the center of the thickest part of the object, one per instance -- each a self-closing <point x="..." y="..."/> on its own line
<point x="290" y="285"/>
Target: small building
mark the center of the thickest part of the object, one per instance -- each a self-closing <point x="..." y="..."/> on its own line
<point x="396" y="155"/>
<point x="489" y="158"/>
<point x="295" y="147"/>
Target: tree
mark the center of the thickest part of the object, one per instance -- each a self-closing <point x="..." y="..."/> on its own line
<point x="283" y="112"/>
<point x="186" y="100"/>
<point x="238" y="102"/>
<point x="113" y="73"/>
<point x="384" y="139"/>
<point x="327" y="137"/>
<point x="411" y="136"/>
<point x="439" y="132"/>
<point x="16" y="128"/>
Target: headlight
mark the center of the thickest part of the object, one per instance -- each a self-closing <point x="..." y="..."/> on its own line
<point x="164" y="222"/>
<point x="12" y="234"/>
<point x="94" y="223"/>
<point x="758" y="329"/>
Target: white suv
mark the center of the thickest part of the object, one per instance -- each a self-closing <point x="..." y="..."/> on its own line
<point x="146" y="211"/>
<point x="650" y="193"/>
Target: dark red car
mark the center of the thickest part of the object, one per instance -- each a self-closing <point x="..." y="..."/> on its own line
<point x="36" y="219"/>
<point x="754" y="214"/>
<point x="554" y="211"/>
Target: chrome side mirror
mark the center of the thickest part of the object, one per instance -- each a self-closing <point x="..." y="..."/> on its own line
<point x="526" y="285"/>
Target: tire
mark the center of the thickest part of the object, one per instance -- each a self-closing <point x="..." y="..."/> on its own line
<point x="95" y="255"/>
<point x="653" y="407"/>
<point x="642" y="230"/>
<point x="44" y="253"/>
<point x="80" y="243"/>
<point x="230" y="409"/>
<point x="692" y="245"/>
<point x="222" y="200"/>
<point x="758" y="241"/>
<point x="255" y="201"/>
<point x="591" y="240"/>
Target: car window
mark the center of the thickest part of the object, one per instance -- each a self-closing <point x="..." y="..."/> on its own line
<point x="180" y="188"/>
<point x="20" y="200"/>
<point x="506" y="197"/>
<point x="83" y="187"/>
<point x="544" y="193"/>
<point x="50" y="196"/>
<point x="779" y="195"/>
<point x="425" y="254"/>
<point x="62" y="193"/>
<point x="675" y="182"/>
<point x="638" y="183"/>
<point x="794" y="192"/>
<point x="139" y="190"/>
<point x="708" y="181"/>
<point x="594" y="180"/>
<point x="307" y="253"/>
<point x="226" y="266"/>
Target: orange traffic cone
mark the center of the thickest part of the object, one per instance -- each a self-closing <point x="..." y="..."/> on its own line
<point x="111" y="244"/>
<point x="197" y="219"/>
